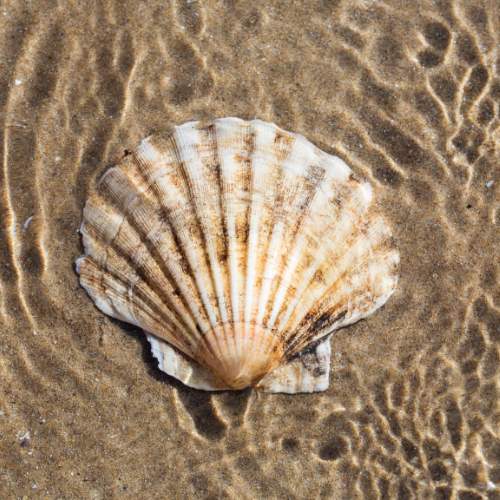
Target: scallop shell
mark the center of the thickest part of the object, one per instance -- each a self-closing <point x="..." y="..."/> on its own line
<point x="238" y="248"/>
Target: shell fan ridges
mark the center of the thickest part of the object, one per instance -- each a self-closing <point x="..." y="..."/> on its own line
<point x="237" y="246"/>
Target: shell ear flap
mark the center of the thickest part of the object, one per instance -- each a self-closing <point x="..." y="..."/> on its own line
<point x="178" y="365"/>
<point x="307" y="372"/>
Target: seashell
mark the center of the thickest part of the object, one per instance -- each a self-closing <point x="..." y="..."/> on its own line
<point x="238" y="248"/>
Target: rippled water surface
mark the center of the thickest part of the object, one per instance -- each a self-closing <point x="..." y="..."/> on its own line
<point x="408" y="94"/>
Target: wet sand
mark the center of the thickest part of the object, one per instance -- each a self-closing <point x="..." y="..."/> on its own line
<point x="407" y="93"/>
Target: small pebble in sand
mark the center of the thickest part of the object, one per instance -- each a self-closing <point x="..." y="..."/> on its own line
<point x="17" y="82"/>
<point x="489" y="184"/>
<point x="24" y="438"/>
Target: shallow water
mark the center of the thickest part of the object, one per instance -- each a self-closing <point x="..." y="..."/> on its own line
<point x="407" y="95"/>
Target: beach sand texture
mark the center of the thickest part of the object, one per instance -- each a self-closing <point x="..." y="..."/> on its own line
<point x="407" y="93"/>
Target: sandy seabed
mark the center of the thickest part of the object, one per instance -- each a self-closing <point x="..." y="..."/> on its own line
<point x="407" y="93"/>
